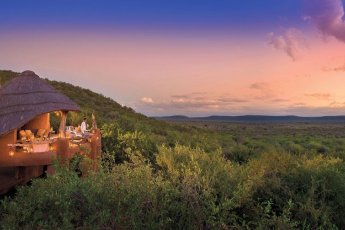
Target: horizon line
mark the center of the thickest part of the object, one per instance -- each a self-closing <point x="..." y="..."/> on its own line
<point x="248" y="115"/>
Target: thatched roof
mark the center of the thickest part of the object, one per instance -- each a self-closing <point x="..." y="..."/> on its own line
<point x="27" y="96"/>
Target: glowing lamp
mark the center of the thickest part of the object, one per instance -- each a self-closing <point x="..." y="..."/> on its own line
<point x="11" y="153"/>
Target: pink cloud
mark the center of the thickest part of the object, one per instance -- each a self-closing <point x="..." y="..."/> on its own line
<point x="339" y="68"/>
<point x="259" y="86"/>
<point x="336" y="69"/>
<point x="319" y="96"/>
<point x="289" y="42"/>
<point x="327" y="15"/>
<point x="192" y="103"/>
<point x="147" y="100"/>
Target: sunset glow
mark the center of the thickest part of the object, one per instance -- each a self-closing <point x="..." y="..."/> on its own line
<point x="197" y="58"/>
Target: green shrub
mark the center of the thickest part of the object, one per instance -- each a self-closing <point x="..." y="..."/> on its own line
<point x="121" y="144"/>
<point x="128" y="198"/>
<point x="240" y="154"/>
<point x="188" y="189"/>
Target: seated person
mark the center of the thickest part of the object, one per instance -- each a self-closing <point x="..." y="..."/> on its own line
<point x="70" y="133"/>
<point x="75" y="132"/>
<point x="83" y="128"/>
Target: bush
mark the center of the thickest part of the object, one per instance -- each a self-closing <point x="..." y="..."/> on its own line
<point x="186" y="189"/>
<point x="128" y="198"/>
<point x="119" y="145"/>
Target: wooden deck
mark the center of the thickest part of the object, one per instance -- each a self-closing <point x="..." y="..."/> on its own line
<point x="7" y="179"/>
<point x="28" y="159"/>
<point x="21" y="167"/>
<point x="7" y="183"/>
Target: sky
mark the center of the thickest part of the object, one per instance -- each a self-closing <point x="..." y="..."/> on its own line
<point x="194" y="58"/>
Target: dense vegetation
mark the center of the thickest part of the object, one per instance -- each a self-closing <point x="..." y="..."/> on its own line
<point x="155" y="175"/>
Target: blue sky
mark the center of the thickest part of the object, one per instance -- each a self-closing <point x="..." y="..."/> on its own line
<point x="196" y="57"/>
<point x="154" y="15"/>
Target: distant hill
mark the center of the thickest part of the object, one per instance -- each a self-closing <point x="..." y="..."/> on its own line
<point x="175" y="117"/>
<point x="258" y="119"/>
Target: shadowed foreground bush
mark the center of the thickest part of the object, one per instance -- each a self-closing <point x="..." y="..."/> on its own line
<point x="187" y="189"/>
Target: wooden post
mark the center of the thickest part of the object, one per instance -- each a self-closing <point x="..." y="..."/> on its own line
<point x="62" y="151"/>
<point x="62" y="124"/>
<point x="96" y="148"/>
<point x="19" y="173"/>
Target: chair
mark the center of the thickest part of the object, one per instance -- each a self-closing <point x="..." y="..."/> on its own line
<point x="41" y="134"/>
<point x="22" y="135"/>
<point x="29" y="135"/>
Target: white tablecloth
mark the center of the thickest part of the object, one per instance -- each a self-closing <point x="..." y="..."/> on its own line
<point x="40" y="147"/>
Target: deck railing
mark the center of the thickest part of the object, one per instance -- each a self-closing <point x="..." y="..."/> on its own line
<point x="45" y="152"/>
<point x="19" y="166"/>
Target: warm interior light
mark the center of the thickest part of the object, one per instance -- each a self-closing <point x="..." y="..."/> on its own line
<point x="11" y="153"/>
<point x="51" y="148"/>
<point x="29" y="149"/>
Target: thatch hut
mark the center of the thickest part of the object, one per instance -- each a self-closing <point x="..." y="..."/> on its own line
<point x="26" y="97"/>
<point x="27" y="146"/>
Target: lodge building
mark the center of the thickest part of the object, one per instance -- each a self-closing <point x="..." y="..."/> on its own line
<point x="28" y="143"/>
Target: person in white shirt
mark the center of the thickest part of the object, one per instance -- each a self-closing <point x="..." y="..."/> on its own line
<point x="83" y="128"/>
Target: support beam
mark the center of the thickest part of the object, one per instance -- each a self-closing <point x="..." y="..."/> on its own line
<point x="63" y="119"/>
